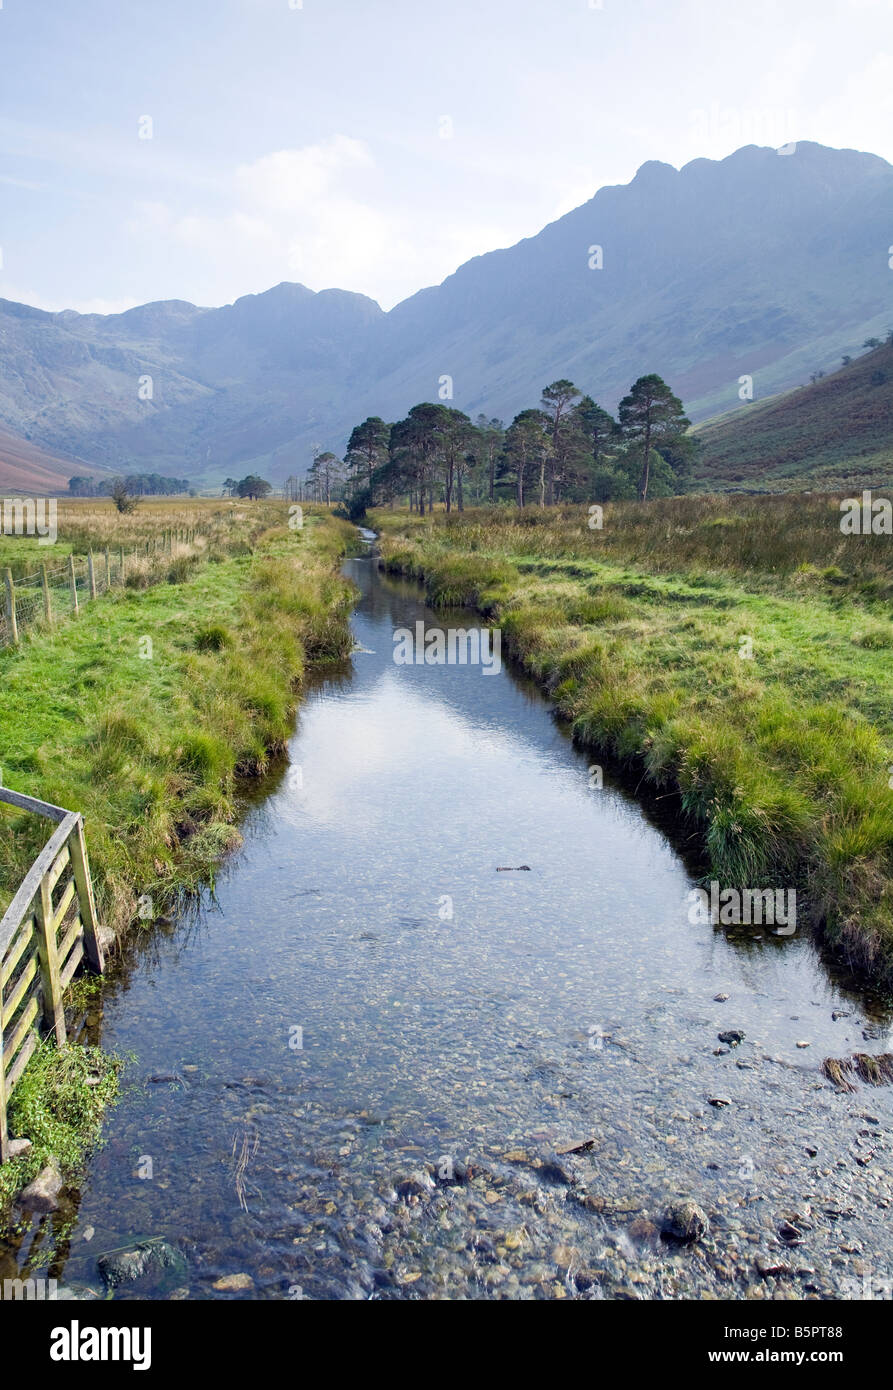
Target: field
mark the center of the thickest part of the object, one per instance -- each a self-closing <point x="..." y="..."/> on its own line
<point x="734" y="652"/>
<point x="144" y="709"/>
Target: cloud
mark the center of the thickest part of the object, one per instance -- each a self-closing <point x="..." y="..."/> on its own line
<point x="317" y="214"/>
<point x="54" y="304"/>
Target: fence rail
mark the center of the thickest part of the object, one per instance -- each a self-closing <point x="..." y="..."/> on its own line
<point x="48" y="930"/>
<point x="52" y="593"/>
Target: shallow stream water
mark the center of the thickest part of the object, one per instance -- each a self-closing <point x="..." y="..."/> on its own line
<point x="359" y="1069"/>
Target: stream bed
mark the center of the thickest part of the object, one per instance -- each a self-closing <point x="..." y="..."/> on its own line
<point x="361" y="1069"/>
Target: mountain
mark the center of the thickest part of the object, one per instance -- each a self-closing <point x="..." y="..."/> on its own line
<point x="834" y="435"/>
<point x="759" y="264"/>
<point x="174" y="389"/>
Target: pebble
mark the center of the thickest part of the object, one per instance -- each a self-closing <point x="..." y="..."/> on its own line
<point x="233" y="1283"/>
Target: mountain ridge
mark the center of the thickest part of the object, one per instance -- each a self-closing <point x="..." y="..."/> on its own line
<point x="761" y="264"/>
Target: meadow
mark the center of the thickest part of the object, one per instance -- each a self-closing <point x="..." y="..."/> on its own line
<point x="144" y="709"/>
<point x="732" y="652"/>
<point x="147" y="712"/>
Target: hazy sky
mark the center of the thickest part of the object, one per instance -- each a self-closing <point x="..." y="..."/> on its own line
<point x="376" y="144"/>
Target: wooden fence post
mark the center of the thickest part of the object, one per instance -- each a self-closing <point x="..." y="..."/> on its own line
<point x="92" y="573"/>
<point x="4" y="1132"/>
<point x="77" y="848"/>
<point x="108" y="569"/>
<point x="121" y="555"/>
<point x="53" y="1008"/>
<point x="72" y="580"/>
<point x="47" y="605"/>
<point x="11" y="607"/>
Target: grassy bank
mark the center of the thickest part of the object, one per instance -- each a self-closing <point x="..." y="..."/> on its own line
<point x="145" y="710"/>
<point x="735" y="651"/>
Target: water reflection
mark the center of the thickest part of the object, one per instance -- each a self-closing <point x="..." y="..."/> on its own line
<point x="367" y="1001"/>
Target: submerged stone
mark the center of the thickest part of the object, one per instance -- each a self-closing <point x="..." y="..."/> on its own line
<point x="42" y="1194"/>
<point x="150" y="1263"/>
<point x="684" y="1221"/>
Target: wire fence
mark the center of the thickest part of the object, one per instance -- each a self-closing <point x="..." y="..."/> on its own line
<point x="52" y="594"/>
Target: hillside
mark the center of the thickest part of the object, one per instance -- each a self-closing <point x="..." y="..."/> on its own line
<point x="833" y="435"/>
<point x="26" y="469"/>
<point x="757" y="263"/>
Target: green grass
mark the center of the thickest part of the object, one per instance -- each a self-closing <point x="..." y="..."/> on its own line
<point x="782" y="762"/>
<point x="144" y="710"/>
<point x="142" y="713"/>
<point x="59" y="1105"/>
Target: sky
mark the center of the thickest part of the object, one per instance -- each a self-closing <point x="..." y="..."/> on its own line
<point x="207" y="149"/>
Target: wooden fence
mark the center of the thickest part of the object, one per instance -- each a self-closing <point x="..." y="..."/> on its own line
<point x="49" y="928"/>
<point x="49" y="594"/>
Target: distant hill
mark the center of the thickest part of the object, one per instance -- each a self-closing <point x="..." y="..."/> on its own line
<point x="828" y="436"/>
<point x="26" y="469"/>
<point x="762" y="264"/>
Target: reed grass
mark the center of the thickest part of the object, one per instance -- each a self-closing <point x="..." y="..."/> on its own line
<point x="782" y="762"/>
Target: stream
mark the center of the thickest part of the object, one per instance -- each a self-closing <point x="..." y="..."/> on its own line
<point x="361" y="1066"/>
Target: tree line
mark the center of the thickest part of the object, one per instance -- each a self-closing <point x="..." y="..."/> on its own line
<point x="568" y="448"/>
<point x="135" y="484"/>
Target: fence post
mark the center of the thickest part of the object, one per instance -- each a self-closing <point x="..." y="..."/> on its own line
<point x="92" y="573"/>
<point x="121" y="554"/>
<point x="4" y="1133"/>
<point x="47" y="606"/>
<point x="72" y="580"/>
<point x="108" y="569"/>
<point x="77" y="848"/>
<point x="11" y="607"/>
<point x="53" y="1008"/>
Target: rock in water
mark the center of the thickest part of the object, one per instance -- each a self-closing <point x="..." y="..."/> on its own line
<point x="684" y="1221"/>
<point x="418" y="1186"/>
<point x="550" y="1170"/>
<point x="234" y="1283"/>
<point x="732" y="1038"/>
<point x="43" y="1193"/>
<point x="151" y="1262"/>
